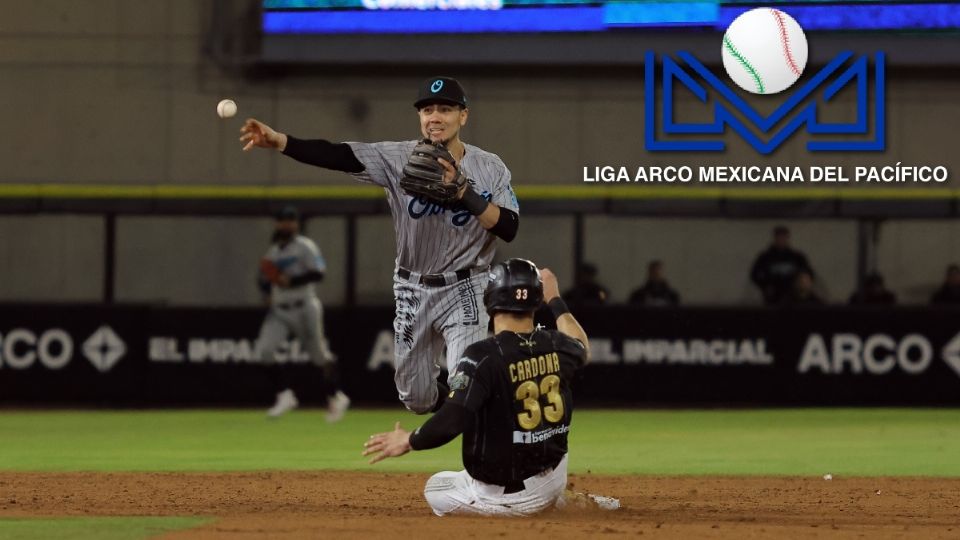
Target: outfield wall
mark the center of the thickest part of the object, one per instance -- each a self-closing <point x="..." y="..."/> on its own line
<point x="195" y="261"/>
<point x="153" y="356"/>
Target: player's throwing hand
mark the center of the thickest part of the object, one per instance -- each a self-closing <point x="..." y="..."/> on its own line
<point x="389" y="444"/>
<point x="256" y="133"/>
<point x="550" y="288"/>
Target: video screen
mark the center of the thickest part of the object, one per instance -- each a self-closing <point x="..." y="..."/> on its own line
<point x="578" y="16"/>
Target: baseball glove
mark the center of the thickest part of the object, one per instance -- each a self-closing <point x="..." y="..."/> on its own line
<point x="269" y="270"/>
<point x="423" y="174"/>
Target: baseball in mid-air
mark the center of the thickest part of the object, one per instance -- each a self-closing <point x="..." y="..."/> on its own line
<point x="764" y="51"/>
<point x="226" y="108"/>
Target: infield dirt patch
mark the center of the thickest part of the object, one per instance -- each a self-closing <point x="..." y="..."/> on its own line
<point x="371" y="505"/>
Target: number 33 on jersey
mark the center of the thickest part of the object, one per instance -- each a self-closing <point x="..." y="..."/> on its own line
<point x="519" y="386"/>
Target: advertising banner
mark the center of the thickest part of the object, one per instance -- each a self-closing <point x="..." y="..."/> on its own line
<point x="154" y="356"/>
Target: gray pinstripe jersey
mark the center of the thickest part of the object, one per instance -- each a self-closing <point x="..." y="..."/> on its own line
<point x="432" y="239"/>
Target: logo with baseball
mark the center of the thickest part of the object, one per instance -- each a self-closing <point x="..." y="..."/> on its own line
<point x="764" y="51"/>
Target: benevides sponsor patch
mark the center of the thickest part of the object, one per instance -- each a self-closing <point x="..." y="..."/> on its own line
<point x="533" y="437"/>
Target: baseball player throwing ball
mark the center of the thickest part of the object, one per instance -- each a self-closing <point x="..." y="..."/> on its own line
<point x="510" y="396"/>
<point x="450" y="201"/>
<point x="288" y="271"/>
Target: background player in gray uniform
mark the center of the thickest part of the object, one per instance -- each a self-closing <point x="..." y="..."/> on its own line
<point x="443" y="252"/>
<point x="288" y="270"/>
<point x="512" y="398"/>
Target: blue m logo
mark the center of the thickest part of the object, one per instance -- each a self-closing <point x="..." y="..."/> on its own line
<point x="800" y="103"/>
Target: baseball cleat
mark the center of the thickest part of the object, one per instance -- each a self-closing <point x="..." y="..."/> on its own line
<point x="337" y="406"/>
<point x="286" y="402"/>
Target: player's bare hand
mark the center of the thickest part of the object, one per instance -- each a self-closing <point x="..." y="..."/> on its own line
<point x="390" y="444"/>
<point x="551" y="289"/>
<point x="283" y="281"/>
<point x="255" y="133"/>
<point x="449" y="173"/>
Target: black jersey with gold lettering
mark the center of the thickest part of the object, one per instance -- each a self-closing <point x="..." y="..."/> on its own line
<point x="518" y="387"/>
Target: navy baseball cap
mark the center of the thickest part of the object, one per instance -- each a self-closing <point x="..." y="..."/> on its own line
<point x="288" y="212"/>
<point x="440" y="90"/>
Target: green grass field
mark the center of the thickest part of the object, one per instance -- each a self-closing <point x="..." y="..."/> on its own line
<point x="853" y="442"/>
<point x="847" y="442"/>
<point x="94" y="528"/>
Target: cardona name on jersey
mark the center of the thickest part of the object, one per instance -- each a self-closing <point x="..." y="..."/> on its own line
<point x="534" y="367"/>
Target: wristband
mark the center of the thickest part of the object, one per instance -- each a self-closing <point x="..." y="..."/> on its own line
<point x="293" y="148"/>
<point x="410" y="439"/>
<point x="558" y="307"/>
<point x="473" y="202"/>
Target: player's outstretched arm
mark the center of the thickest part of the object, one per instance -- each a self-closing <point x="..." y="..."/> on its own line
<point x="389" y="444"/>
<point x="256" y="134"/>
<point x="317" y="152"/>
<point x="566" y="323"/>
<point x="441" y="428"/>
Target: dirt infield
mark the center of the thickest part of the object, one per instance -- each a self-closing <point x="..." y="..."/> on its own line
<point x="368" y="505"/>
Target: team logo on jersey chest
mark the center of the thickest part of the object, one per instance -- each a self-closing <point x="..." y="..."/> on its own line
<point x="420" y="207"/>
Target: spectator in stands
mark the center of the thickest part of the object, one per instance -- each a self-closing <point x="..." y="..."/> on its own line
<point x="873" y="292"/>
<point x="656" y="292"/>
<point x="586" y="291"/>
<point x="949" y="292"/>
<point x="801" y="294"/>
<point x="776" y="268"/>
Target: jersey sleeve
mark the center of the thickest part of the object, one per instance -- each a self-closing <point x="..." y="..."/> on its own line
<point x="503" y="195"/>
<point x="573" y="347"/>
<point x="471" y="382"/>
<point x="312" y="258"/>
<point x="271" y="253"/>
<point x="377" y="159"/>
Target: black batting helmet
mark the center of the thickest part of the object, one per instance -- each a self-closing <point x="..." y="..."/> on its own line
<point x="515" y="286"/>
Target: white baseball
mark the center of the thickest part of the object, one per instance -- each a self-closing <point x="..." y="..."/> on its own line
<point x="226" y="108"/>
<point x="764" y="51"/>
